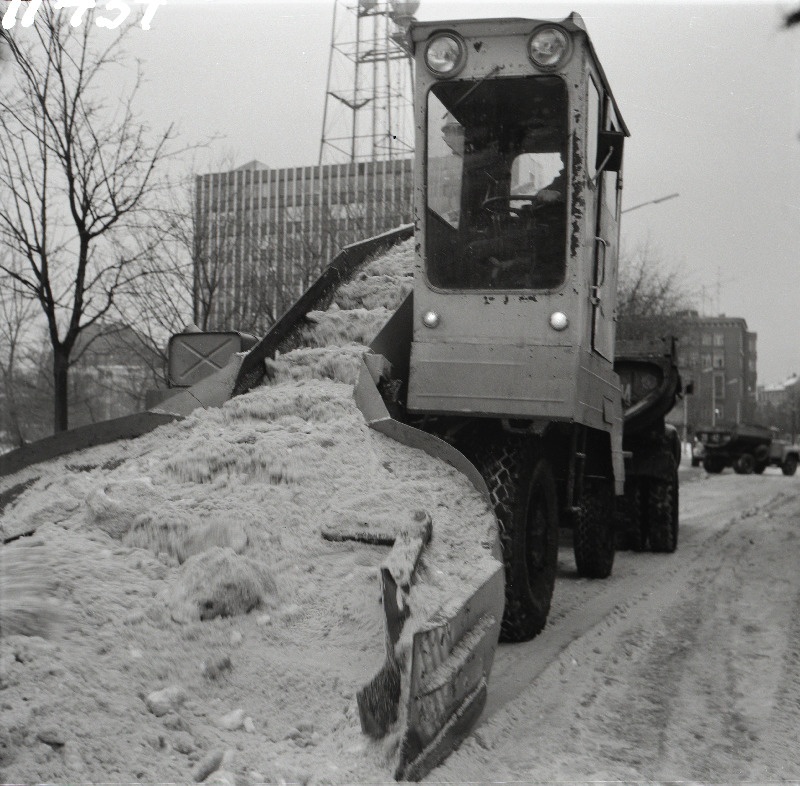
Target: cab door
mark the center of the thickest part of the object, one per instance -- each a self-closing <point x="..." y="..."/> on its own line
<point x="606" y="241"/>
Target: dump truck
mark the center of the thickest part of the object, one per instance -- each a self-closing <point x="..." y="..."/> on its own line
<point x="500" y="361"/>
<point x="747" y="448"/>
<point x="651" y="385"/>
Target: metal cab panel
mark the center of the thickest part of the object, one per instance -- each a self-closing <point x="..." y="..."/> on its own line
<point x="491" y="379"/>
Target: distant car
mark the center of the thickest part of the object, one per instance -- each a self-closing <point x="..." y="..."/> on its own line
<point x="698" y="452"/>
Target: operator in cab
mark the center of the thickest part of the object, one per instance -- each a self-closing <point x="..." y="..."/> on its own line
<point x="497" y="185"/>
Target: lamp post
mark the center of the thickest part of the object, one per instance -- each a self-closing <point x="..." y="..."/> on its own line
<point x="651" y="202"/>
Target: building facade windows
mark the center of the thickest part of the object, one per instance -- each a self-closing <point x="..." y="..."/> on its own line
<point x="262" y="234"/>
<point x="718" y="356"/>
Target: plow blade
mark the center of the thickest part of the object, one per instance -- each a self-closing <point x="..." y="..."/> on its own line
<point x="436" y="687"/>
<point x="451" y="659"/>
<point x="434" y="681"/>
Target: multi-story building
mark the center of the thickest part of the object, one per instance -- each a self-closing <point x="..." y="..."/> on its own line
<point x="717" y="356"/>
<point x="262" y="235"/>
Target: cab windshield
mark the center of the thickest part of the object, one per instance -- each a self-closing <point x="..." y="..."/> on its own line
<point x="496" y="174"/>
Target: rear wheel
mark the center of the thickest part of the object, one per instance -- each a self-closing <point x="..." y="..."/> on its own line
<point x="593" y="530"/>
<point x="789" y="466"/>
<point x="759" y="469"/>
<point x="745" y="464"/>
<point x="662" y="513"/>
<point x="523" y="493"/>
<point x="631" y="533"/>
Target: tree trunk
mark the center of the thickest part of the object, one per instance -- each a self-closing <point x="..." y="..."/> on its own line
<point x="60" y="390"/>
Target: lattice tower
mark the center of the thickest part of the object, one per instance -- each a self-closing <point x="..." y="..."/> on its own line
<point x="368" y="101"/>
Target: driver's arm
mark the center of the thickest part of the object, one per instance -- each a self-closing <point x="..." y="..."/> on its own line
<point x="554" y="192"/>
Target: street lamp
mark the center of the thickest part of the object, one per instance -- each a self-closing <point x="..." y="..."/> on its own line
<point x="651" y="202"/>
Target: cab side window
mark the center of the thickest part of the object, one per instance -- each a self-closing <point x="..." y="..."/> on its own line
<point x="611" y="179"/>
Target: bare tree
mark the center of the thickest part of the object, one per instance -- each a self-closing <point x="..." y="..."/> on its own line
<point x="650" y="295"/>
<point x="16" y="313"/>
<point x="75" y="170"/>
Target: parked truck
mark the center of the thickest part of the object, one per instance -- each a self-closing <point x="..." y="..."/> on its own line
<point x="747" y="448"/>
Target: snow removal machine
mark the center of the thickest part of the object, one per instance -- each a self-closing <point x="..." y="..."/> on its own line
<point x="504" y="351"/>
<point x="501" y="360"/>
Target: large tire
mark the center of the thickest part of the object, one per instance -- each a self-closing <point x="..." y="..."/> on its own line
<point x="631" y="533"/>
<point x="789" y="466"/>
<point x="759" y="469"/>
<point x="745" y="464"/>
<point x="593" y="537"/>
<point x="662" y="513"/>
<point x="713" y="465"/>
<point x="523" y="493"/>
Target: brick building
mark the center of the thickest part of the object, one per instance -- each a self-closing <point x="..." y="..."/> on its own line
<point x="718" y="356"/>
<point x="262" y="235"/>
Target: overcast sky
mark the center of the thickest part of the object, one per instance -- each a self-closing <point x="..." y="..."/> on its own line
<point x="710" y="93"/>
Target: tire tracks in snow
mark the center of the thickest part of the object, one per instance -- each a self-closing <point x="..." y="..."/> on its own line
<point x="679" y="666"/>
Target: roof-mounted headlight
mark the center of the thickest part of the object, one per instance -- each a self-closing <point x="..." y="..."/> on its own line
<point x="445" y="54"/>
<point x="549" y="47"/>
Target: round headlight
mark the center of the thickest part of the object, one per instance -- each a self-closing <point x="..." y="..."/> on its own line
<point x="430" y="319"/>
<point x="549" y="47"/>
<point x="558" y="320"/>
<point x="445" y="55"/>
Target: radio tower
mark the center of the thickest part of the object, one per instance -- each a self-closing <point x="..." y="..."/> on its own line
<point x="368" y="101"/>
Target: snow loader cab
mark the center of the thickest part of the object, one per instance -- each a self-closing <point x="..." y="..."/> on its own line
<point x="505" y="348"/>
<point x="519" y="153"/>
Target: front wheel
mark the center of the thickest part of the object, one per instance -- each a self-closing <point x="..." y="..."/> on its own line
<point x="713" y="465"/>
<point x="789" y="466"/>
<point x="593" y="530"/>
<point x="523" y="492"/>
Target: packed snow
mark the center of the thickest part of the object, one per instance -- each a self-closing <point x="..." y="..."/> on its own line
<point x="194" y="623"/>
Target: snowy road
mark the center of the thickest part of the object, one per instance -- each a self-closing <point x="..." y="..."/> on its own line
<point x="679" y="667"/>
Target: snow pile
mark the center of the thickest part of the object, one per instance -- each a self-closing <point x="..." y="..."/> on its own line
<point x="341" y="364"/>
<point x="26" y="588"/>
<point x="374" y="291"/>
<point x="396" y="262"/>
<point x="220" y="583"/>
<point x="337" y="327"/>
<point x="191" y="562"/>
